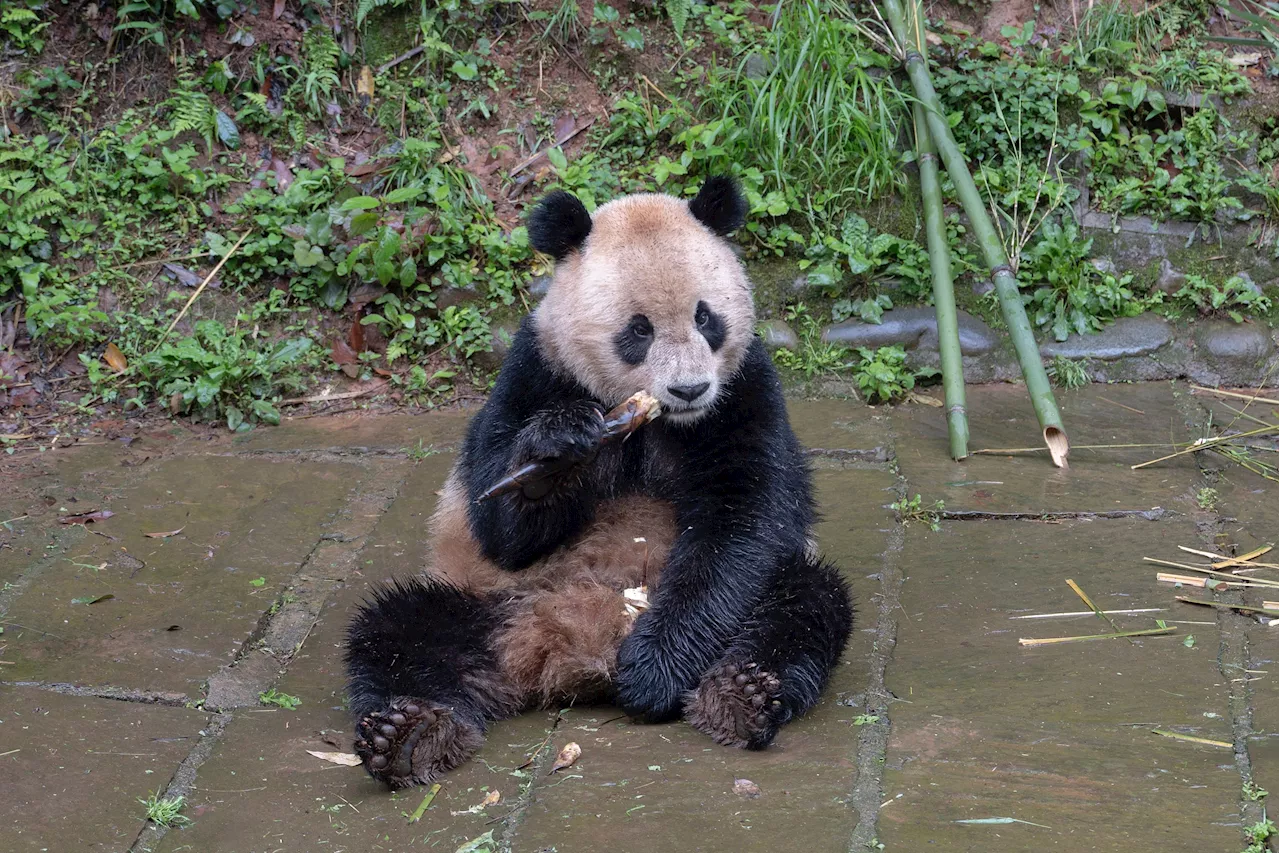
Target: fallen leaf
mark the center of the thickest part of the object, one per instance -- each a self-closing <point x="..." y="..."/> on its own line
<point x="342" y="353"/>
<point x="746" y="788"/>
<point x="490" y="799"/>
<point x="277" y="10"/>
<point x="567" y="758"/>
<point x="92" y="599"/>
<point x="166" y="534"/>
<point x="87" y="517"/>
<point x="924" y="399"/>
<point x="114" y="358"/>
<point x="284" y="176"/>
<point x="346" y="759"/>
<point x="1244" y="60"/>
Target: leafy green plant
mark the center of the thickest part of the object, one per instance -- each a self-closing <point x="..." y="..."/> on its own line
<point x="165" y="811"/>
<point x="813" y="355"/>
<point x="1071" y="294"/>
<point x="279" y="700"/>
<point x="1234" y="298"/>
<point x="1207" y="499"/>
<point x="21" y="30"/>
<point x="883" y="376"/>
<point x="1258" y="835"/>
<point x="873" y="260"/>
<point x="913" y="510"/>
<point x="220" y="373"/>
<point x="1068" y="374"/>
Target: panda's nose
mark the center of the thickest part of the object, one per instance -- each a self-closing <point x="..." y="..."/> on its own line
<point x="689" y="393"/>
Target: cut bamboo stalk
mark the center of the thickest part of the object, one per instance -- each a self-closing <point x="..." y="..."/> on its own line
<point x="1235" y="394"/>
<point x="944" y="297"/>
<point x="1075" y="587"/>
<point x="1192" y="580"/>
<point x="1132" y="612"/>
<point x="1223" y="575"/>
<point x="1191" y="738"/>
<point x="1015" y="316"/>
<point x="1270" y="611"/>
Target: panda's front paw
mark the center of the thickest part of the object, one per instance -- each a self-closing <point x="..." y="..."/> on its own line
<point x="648" y="687"/>
<point x="564" y="436"/>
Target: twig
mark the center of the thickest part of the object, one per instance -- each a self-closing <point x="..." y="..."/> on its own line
<point x="1051" y="640"/>
<point x="1191" y="738"/>
<point x="1002" y="451"/>
<point x="322" y="398"/>
<point x="1121" y="405"/>
<point x="1250" y="397"/>
<point x="202" y="286"/>
<point x="1203" y="571"/>
<point x="1248" y="608"/>
<point x="425" y="804"/>
<point x="1096" y="609"/>
<point x="408" y="54"/>
<point x="1205" y="444"/>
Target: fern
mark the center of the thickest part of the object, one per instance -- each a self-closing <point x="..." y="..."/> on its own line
<point x="191" y="109"/>
<point x="319" y="80"/>
<point x="678" y="12"/>
<point x="38" y="204"/>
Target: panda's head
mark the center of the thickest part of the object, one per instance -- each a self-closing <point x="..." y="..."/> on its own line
<point x="647" y="295"/>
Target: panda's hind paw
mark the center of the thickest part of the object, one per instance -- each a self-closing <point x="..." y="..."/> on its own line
<point x="412" y="742"/>
<point x="738" y="704"/>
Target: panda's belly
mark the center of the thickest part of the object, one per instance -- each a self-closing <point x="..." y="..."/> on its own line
<point x="625" y="547"/>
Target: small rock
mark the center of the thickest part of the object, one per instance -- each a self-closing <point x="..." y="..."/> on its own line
<point x="539" y="286"/>
<point x="982" y="288"/>
<point x="755" y="67"/>
<point x="778" y="335"/>
<point x="450" y="297"/>
<point x="503" y="335"/>
<point x="1170" y="280"/>
<point x="1125" y="337"/>
<point x="1246" y="342"/>
<point x="914" y="327"/>
<point x="1105" y="265"/>
<point x="746" y="788"/>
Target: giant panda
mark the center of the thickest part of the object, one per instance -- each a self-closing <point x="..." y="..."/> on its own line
<point x="710" y="506"/>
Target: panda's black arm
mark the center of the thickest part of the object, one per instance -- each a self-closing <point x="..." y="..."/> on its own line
<point x="531" y="409"/>
<point x="744" y="508"/>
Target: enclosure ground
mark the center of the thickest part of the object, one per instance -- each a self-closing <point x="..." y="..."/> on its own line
<point x="134" y="663"/>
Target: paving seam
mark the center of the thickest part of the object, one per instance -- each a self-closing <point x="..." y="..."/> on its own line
<point x="119" y="694"/>
<point x="1233" y="638"/>
<point x="539" y="765"/>
<point x="873" y="738"/>
<point x="184" y="779"/>
<point x="325" y="454"/>
<point x="285" y="625"/>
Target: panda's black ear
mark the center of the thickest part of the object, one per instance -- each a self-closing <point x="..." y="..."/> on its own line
<point x="559" y="225"/>
<point x="719" y="205"/>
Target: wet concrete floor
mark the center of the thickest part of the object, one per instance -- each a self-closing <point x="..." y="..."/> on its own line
<point x="133" y="664"/>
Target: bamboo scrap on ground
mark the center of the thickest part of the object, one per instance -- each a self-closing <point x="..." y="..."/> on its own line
<point x="1269" y="608"/>
<point x="1191" y="738"/>
<point x="1046" y="641"/>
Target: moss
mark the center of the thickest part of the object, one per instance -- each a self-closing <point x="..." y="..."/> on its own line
<point x="388" y="32"/>
<point x="897" y="216"/>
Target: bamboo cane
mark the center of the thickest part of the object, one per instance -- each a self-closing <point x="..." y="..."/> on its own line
<point x="993" y="250"/>
<point x="944" y="297"/>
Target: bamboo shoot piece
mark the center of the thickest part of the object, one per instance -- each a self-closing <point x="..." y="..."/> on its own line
<point x="638" y="410"/>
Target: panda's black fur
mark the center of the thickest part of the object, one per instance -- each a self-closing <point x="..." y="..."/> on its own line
<point x="745" y="623"/>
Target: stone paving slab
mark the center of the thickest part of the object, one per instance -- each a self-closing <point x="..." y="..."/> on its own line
<point x="1057" y="735"/>
<point x="668" y="787"/>
<point x="355" y="433"/>
<point x="72" y="769"/>
<point x="181" y="606"/>
<point x="1000" y="416"/>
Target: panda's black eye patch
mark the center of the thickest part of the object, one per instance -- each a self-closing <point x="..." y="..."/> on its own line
<point x="632" y="343"/>
<point x="711" y="325"/>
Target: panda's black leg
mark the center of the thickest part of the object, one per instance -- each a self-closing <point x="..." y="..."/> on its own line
<point x="777" y="668"/>
<point x="423" y="680"/>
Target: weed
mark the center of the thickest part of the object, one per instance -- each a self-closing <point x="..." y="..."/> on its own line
<point x="421" y="451"/>
<point x="813" y="355"/>
<point x="1071" y="293"/>
<point x="866" y="719"/>
<point x="1235" y="298"/>
<point x="912" y="510"/>
<point x="1251" y="792"/>
<point x="883" y="376"/>
<point x="21" y="30"/>
<point x="1258" y="835"/>
<point x="280" y="700"/>
<point x="1068" y="374"/>
<point x="1207" y="499"/>
<point x="164" y="811"/>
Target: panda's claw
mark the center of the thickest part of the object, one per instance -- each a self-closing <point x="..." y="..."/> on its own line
<point x="412" y="742"/>
<point x="737" y="705"/>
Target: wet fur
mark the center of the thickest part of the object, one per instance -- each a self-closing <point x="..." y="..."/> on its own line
<point x="523" y="603"/>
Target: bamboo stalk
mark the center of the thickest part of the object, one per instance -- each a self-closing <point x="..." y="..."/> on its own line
<point x="1191" y="738"/>
<point x="1015" y="315"/>
<point x="1092" y="613"/>
<point x="1223" y="575"/>
<point x="1096" y="609"/>
<point x="1206" y="444"/>
<point x="944" y="297"/>
<point x="1192" y="580"/>
<point x="1270" y="611"/>
<point x="1234" y="394"/>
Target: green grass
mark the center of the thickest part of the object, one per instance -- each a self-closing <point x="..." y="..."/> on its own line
<point x="818" y="123"/>
<point x="1068" y="374"/>
<point x="165" y="811"/>
<point x="280" y="700"/>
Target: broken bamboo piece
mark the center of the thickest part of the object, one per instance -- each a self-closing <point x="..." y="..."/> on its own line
<point x="1046" y="641"/>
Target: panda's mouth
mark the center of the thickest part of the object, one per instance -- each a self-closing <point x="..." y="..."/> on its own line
<point x="685" y="414"/>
